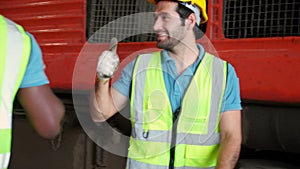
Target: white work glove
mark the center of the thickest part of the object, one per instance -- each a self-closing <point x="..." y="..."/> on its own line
<point x="108" y="61"/>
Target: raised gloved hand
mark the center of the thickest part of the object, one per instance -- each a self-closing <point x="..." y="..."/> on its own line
<point x="108" y="61"/>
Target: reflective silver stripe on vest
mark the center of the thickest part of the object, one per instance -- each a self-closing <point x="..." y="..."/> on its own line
<point x="185" y="167"/>
<point x="133" y="164"/>
<point x="4" y="160"/>
<point x="139" y="90"/>
<point x="13" y="61"/>
<point x="199" y="139"/>
<point x="163" y="136"/>
<point x="218" y="77"/>
<point x="152" y="135"/>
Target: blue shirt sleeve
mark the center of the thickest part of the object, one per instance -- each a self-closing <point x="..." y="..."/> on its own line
<point x="34" y="74"/>
<point x="123" y="84"/>
<point x="231" y="99"/>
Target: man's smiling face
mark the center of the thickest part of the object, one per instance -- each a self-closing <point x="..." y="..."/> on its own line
<point x="168" y="25"/>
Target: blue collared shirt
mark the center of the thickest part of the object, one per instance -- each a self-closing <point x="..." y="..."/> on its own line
<point x="176" y="84"/>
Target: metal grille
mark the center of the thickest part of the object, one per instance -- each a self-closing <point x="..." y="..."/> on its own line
<point x="113" y="18"/>
<point x="261" y="18"/>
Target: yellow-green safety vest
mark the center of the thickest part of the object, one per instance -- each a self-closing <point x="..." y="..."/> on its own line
<point x="15" y="48"/>
<point x="195" y="133"/>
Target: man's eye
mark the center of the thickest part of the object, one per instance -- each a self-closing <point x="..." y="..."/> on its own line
<point x="162" y="17"/>
<point x="165" y="17"/>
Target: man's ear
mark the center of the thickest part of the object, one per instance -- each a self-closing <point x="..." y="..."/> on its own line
<point x="191" y="21"/>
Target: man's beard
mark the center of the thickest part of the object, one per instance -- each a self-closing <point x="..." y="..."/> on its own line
<point x="168" y="44"/>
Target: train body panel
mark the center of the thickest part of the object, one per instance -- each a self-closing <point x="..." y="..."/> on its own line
<point x="267" y="67"/>
<point x="59" y="28"/>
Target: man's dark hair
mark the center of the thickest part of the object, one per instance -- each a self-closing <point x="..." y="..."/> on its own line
<point x="183" y="12"/>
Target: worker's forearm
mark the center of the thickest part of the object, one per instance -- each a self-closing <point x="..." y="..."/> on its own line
<point x="229" y="153"/>
<point x="102" y="102"/>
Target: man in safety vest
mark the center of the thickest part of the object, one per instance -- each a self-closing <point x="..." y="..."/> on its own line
<point x="22" y="75"/>
<point x="185" y="106"/>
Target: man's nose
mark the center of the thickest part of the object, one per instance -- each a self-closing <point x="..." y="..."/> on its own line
<point x="157" y="24"/>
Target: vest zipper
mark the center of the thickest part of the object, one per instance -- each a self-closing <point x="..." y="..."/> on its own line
<point x="173" y="138"/>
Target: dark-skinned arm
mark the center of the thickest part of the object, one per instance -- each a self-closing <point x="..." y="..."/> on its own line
<point x="44" y="109"/>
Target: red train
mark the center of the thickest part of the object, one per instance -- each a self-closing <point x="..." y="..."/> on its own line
<point x="261" y="39"/>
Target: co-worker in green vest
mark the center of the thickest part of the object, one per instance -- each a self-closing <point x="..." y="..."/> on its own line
<point x="185" y="106"/>
<point x="22" y="75"/>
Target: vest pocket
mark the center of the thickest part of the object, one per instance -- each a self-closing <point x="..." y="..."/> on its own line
<point x="149" y="152"/>
<point x="192" y="125"/>
<point x="149" y="143"/>
<point x="201" y="156"/>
